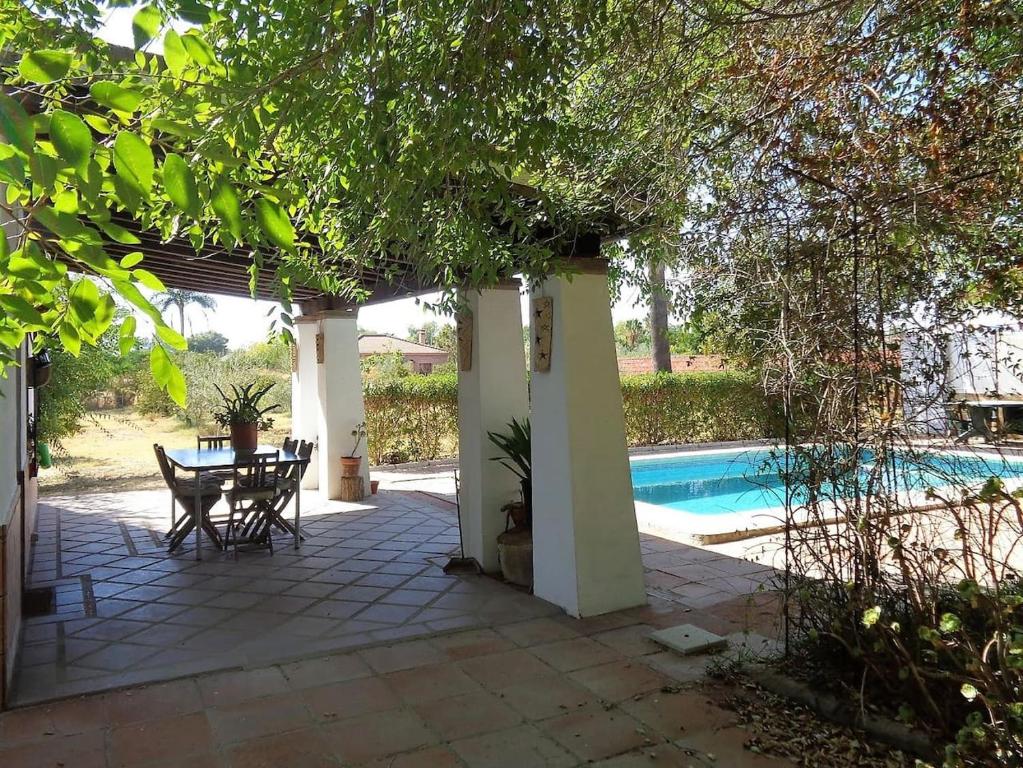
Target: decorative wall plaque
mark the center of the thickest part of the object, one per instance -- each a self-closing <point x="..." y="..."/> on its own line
<point x="543" y="329"/>
<point x="319" y="348"/>
<point x="463" y="328"/>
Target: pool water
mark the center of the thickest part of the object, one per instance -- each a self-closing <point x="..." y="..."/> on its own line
<point x="742" y="481"/>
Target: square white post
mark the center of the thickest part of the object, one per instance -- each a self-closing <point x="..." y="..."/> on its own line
<point x="490" y="395"/>
<point x="586" y="555"/>
<point x="305" y="392"/>
<point x="340" y="395"/>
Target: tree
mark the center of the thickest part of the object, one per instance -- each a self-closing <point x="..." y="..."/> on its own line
<point x="660" y="344"/>
<point x="631" y="334"/>
<point x="180" y="299"/>
<point x="360" y="132"/>
<point x="209" y="341"/>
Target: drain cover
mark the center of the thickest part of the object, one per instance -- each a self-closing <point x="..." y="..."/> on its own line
<point x="40" y="601"/>
<point x="688" y="639"/>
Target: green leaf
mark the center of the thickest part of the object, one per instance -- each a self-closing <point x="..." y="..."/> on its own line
<point x="44" y="66"/>
<point x="70" y="339"/>
<point x="174" y="52"/>
<point x="171" y="337"/>
<point x="149" y="280"/>
<point x="130" y="260"/>
<point x="84" y="299"/>
<point x="133" y="160"/>
<point x="276" y="224"/>
<point x="22" y="311"/>
<point x="198" y="49"/>
<point x="969" y="691"/>
<point x="228" y="207"/>
<point x="145" y="24"/>
<point x="126" y="335"/>
<point x="15" y="127"/>
<point x="871" y="615"/>
<point x="72" y="138"/>
<point x="114" y="96"/>
<point x="179" y="182"/>
<point x="167" y="375"/>
<point x="950" y="623"/>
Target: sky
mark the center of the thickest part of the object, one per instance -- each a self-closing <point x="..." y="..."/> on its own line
<point x="247" y="321"/>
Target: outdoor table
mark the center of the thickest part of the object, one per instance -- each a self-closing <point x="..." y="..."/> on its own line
<point x="978" y="423"/>
<point x="209" y="459"/>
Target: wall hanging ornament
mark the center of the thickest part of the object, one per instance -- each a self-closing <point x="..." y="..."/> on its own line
<point x="543" y="328"/>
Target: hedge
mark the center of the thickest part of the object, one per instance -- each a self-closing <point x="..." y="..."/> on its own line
<point x="696" y="408"/>
<point x="416" y="418"/>
<point x="412" y="419"/>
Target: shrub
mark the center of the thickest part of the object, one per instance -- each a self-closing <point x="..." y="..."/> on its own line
<point x="696" y="407"/>
<point x="413" y="418"/>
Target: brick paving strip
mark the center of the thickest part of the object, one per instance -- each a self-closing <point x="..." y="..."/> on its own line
<point x="542" y="692"/>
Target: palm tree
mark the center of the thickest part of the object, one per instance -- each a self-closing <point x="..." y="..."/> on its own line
<point x="176" y="297"/>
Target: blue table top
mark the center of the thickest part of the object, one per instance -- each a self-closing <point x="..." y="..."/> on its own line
<point x="192" y="459"/>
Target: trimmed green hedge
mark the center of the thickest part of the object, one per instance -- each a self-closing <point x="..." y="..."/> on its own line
<point x="416" y="418"/>
<point x="412" y="419"/>
<point x="669" y="408"/>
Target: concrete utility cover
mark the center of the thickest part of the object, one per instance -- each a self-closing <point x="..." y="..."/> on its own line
<point x="688" y="639"/>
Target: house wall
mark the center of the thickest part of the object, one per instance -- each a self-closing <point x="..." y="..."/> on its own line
<point x="17" y="515"/>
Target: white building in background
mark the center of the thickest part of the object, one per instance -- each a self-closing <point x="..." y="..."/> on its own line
<point x="981" y="358"/>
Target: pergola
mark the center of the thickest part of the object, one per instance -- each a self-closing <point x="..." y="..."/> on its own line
<point x="585" y="539"/>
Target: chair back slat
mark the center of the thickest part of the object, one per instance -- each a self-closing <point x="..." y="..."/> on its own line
<point x="258" y="471"/>
<point x="211" y="442"/>
<point x="290" y="445"/>
<point x="165" y="468"/>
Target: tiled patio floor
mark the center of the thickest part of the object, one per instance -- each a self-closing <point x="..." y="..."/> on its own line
<point x="551" y="691"/>
<point x="128" y="613"/>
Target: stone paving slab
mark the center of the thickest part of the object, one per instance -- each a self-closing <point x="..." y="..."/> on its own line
<point x="468" y="699"/>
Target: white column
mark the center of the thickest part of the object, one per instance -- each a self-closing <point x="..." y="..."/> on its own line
<point x="305" y="393"/>
<point x="341" y="407"/>
<point x="586" y="555"/>
<point x="490" y="395"/>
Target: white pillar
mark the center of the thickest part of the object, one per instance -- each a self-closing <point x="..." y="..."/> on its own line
<point x="305" y="392"/>
<point x="341" y="407"/>
<point x="586" y="555"/>
<point x="490" y="395"/>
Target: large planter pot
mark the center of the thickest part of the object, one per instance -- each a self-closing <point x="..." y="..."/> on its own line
<point x="515" y="551"/>
<point x="244" y="437"/>
<point x="350" y="466"/>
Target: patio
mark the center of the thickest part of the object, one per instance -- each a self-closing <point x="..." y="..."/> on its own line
<point x="368" y="574"/>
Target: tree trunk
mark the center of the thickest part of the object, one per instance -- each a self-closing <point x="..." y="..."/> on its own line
<point x="181" y="316"/>
<point x="659" y="344"/>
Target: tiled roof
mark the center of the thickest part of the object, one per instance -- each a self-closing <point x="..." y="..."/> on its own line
<point x="382" y="343"/>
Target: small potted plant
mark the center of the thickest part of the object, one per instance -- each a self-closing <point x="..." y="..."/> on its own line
<point x="515" y="545"/>
<point x="351" y="463"/>
<point x="242" y="415"/>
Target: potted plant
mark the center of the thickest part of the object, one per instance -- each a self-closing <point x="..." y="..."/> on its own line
<point x="515" y="546"/>
<point x="351" y="463"/>
<point x="242" y="415"/>
<point x="517" y="449"/>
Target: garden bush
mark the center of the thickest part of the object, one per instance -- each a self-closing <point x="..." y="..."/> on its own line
<point x="669" y="408"/>
<point x="414" y="418"/>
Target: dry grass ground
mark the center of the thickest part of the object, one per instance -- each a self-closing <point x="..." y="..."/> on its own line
<point x="114" y="452"/>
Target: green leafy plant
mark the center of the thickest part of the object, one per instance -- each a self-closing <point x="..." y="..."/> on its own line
<point x="359" y="433"/>
<point x="243" y="407"/>
<point x="517" y="448"/>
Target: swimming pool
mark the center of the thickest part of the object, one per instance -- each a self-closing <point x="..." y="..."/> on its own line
<point x="745" y="480"/>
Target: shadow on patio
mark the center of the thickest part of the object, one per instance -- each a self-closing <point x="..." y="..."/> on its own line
<point x="127" y="612"/>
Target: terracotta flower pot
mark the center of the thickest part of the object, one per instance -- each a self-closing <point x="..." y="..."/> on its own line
<point x="350" y="466"/>
<point x="373" y="485"/>
<point x="244" y="437"/>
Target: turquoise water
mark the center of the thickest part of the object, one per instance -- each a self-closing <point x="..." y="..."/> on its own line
<point x="715" y="484"/>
